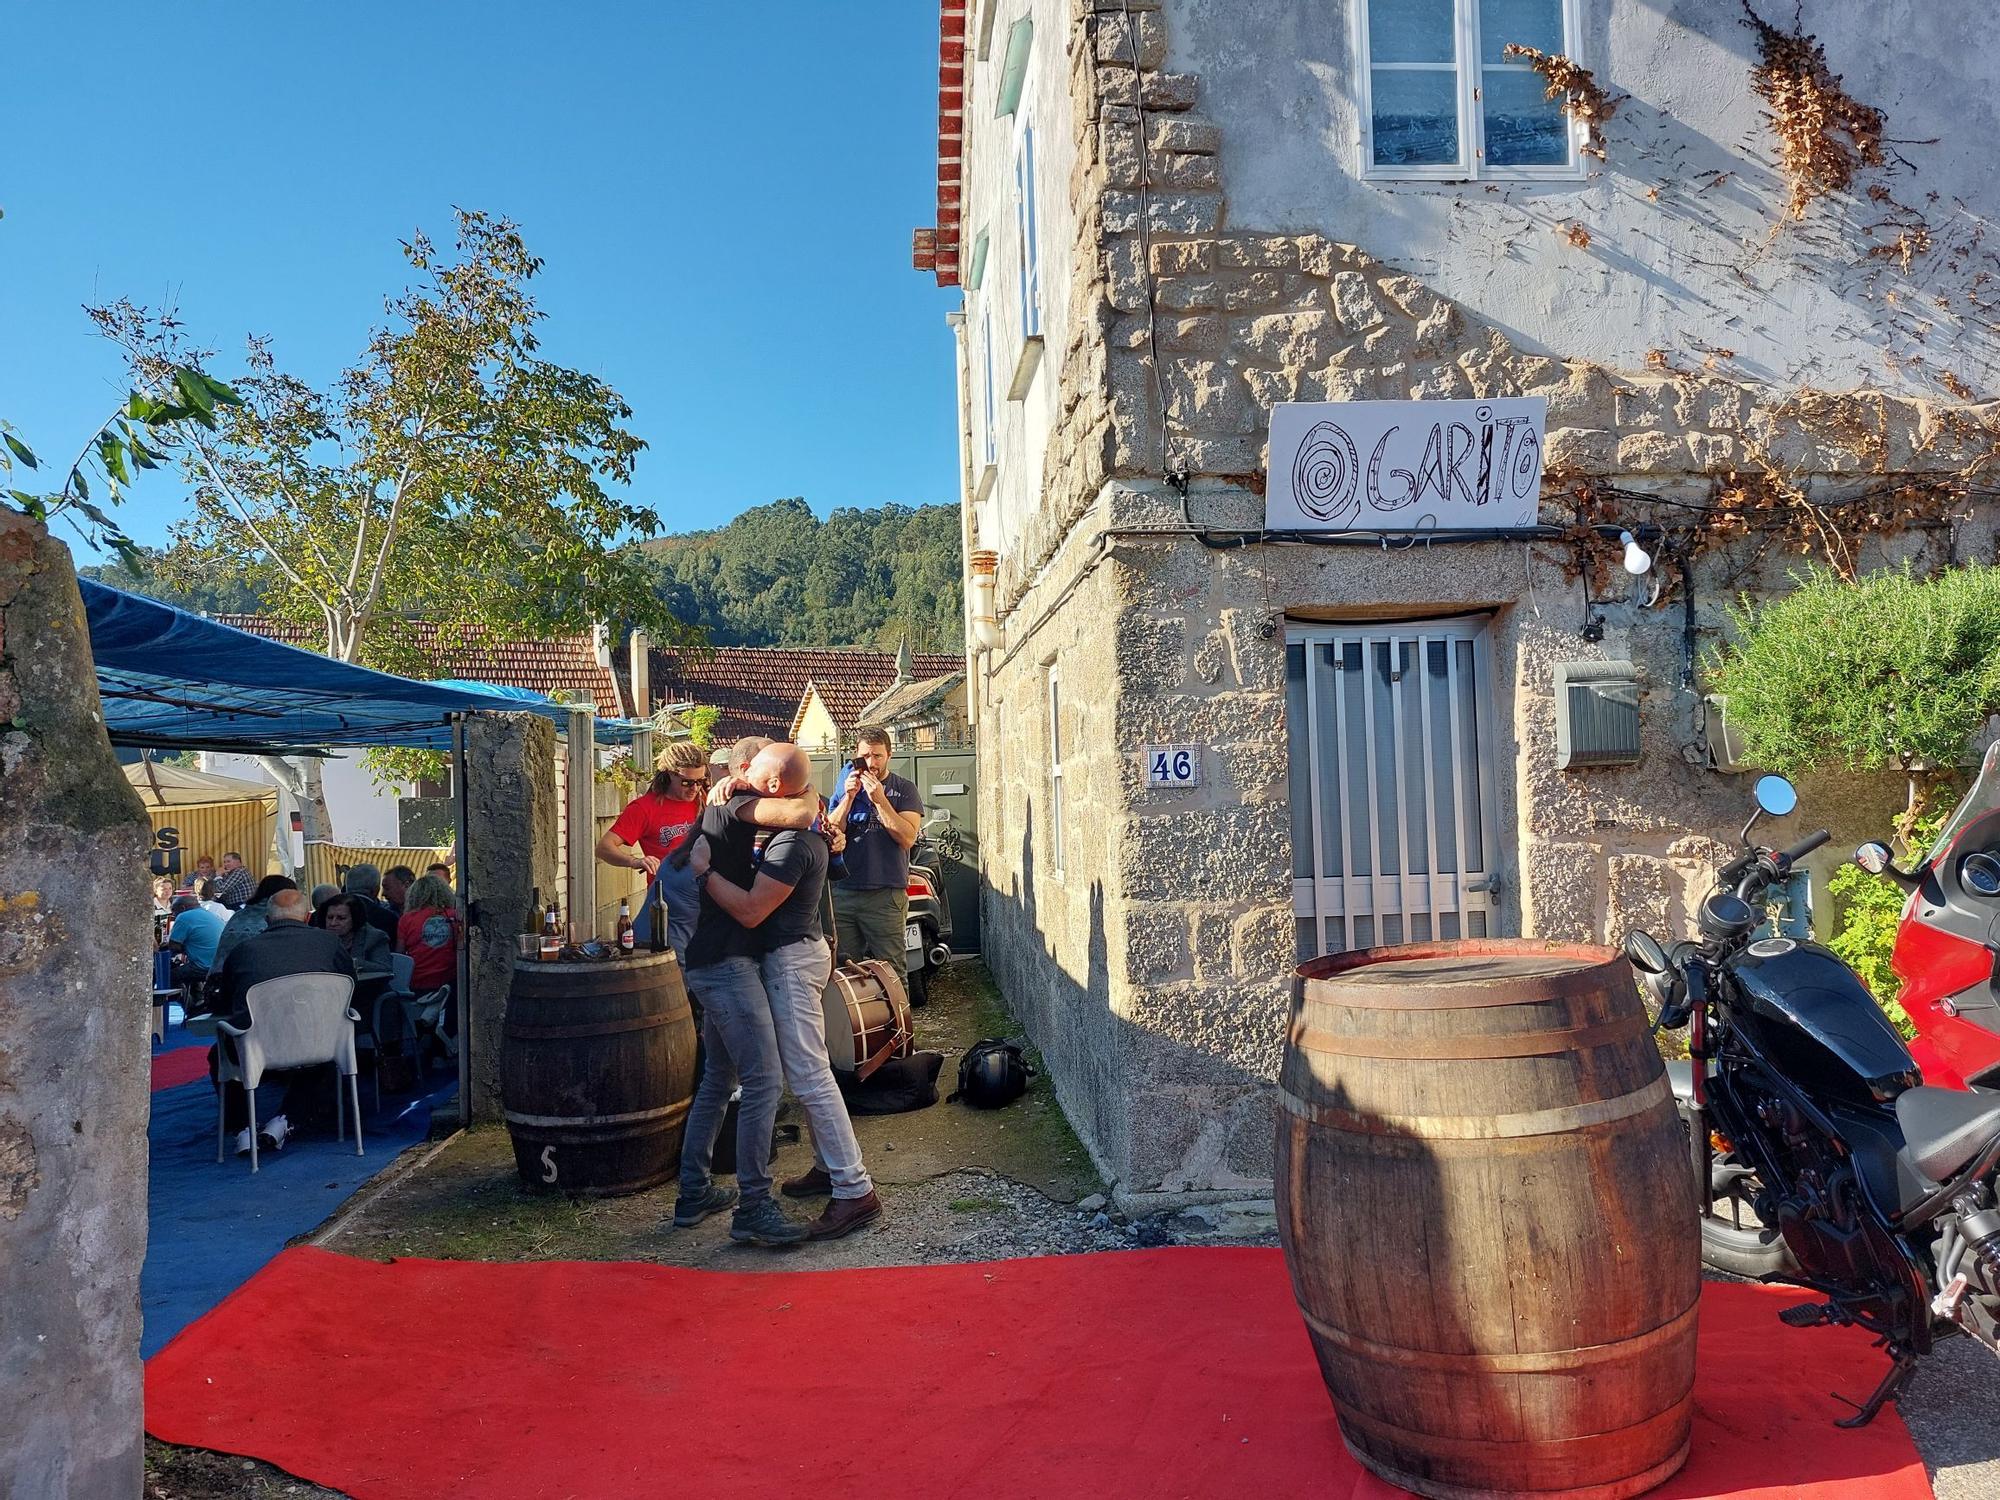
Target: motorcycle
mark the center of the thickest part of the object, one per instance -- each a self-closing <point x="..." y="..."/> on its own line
<point x="1947" y="950"/>
<point x="927" y="932"/>
<point x="1806" y="1111"/>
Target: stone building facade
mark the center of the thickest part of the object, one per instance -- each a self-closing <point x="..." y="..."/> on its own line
<point x="1169" y="215"/>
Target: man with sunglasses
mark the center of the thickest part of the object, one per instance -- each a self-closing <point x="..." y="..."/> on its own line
<point x="650" y="828"/>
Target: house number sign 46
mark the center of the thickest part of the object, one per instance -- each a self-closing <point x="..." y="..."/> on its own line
<point x="1173" y="765"/>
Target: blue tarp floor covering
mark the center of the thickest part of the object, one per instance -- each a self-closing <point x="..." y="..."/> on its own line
<point x="211" y="1227"/>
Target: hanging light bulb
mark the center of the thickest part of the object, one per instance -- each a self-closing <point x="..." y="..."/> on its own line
<point x="1638" y="561"/>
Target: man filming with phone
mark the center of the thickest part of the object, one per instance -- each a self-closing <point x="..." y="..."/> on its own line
<point x="883" y="815"/>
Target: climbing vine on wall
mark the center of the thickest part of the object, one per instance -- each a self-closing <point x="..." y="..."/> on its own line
<point x="1824" y="135"/>
<point x="1584" y="98"/>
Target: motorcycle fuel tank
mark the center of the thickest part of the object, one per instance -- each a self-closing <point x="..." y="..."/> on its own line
<point x="1809" y="1013"/>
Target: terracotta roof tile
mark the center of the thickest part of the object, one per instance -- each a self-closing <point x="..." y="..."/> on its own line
<point x="759" y="688"/>
<point x="564" y="663"/>
<point x="911" y="698"/>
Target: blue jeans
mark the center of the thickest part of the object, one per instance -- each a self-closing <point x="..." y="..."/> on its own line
<point x="677" y="889"/>
<point x="737" y="1035"/>
<point x="795" y="978"/>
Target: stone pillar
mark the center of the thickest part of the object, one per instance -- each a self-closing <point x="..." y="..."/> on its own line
<point x="510" y="849"/>
<point x="74" y="976"/>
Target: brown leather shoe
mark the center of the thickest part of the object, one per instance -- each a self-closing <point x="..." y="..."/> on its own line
<point x="814" y="1184"/>
<point x="844" y="1216"/>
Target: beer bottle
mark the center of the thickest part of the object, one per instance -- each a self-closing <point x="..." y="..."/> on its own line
<point x="552" y="933"/>
<point x="625" y="938"/>
<point x="656" y="918"/>
<point x="532" y="923"/>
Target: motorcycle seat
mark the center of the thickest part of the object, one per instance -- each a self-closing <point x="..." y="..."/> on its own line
<point x="1944" y="1129"/>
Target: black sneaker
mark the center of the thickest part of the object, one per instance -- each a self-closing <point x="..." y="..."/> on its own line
<point x="689" y="1212"/>
<point x="762" y="1222"/>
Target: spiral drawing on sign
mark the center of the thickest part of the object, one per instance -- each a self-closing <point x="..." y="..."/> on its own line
<point x="1325" y="474"/>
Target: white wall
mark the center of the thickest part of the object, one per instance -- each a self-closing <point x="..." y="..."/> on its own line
<point x="1023" y="426"/>
<point x="1701" y="265"/>
<point x="363" y="811"/>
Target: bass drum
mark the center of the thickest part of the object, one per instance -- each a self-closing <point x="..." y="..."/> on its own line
<point x="867" y="1017"/>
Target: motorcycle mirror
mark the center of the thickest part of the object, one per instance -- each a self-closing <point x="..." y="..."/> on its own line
<point x="1776" y="796"/>
<point x="1645" y="954"/>
<point x="1872" y="857"/>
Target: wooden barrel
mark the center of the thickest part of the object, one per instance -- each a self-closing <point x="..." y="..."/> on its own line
<point x="1485" y="1204"/>
<point x="597" y="1073"/>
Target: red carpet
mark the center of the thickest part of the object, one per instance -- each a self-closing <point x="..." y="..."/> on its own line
<point x="182" y="1065"/>
<point x="1144" y="1373"/>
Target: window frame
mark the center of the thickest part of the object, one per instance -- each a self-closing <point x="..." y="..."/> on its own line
<point x="1027" y="229"/>
<point x="1469" y="74"/>
<point x="990" y="409"/>
<point x="1053" y="690"/>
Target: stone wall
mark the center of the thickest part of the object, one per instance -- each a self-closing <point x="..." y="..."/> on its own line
<point x="1184" y="328"/>
<point x="510" y="849"/>
<point x="75" y="944"/>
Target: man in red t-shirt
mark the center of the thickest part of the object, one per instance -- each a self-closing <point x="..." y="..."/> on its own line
<point x="652" y="825"/>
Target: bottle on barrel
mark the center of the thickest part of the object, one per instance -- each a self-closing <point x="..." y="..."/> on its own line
<point x="552" y="933"/>
<point x="626" y="940"/>
<point x="656" y="918"/>
<point x="532" y="923"/>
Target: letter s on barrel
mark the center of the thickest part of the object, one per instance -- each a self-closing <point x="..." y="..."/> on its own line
<point x="548" y="1163"/>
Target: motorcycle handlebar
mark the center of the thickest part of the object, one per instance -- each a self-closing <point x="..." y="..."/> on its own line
<point x="1803" y="847"/>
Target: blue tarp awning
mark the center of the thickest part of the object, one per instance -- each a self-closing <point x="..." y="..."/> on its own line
<point x="174" y="680"/>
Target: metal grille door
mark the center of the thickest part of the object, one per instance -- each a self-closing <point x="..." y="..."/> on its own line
<point x="1391" y="783"/>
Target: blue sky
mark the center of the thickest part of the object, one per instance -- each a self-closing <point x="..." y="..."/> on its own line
<point x="723" y="194"/>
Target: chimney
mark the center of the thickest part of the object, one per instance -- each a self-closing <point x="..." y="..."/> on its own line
<point x="905" y="669"/>
<point x="642" y="675"/>
<point x="600" y="644"/>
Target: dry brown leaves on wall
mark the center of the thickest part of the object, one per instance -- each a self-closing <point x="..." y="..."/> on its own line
<point x="1575" y="234"/>
<point x="1584" y="98"/>
<point x="1824" y="135"/>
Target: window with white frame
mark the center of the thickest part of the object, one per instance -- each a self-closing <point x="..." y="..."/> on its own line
<point x="991" y="445"/>
<point x="1441" y="98"/>
<point x="1026" y="233"/>
<point x="1055" y="773"/>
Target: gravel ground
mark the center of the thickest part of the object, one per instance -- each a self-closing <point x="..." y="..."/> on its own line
<point x="957" y="1185"/>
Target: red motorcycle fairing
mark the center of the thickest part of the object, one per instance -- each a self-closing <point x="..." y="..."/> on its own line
<point x="1936" y="967"/>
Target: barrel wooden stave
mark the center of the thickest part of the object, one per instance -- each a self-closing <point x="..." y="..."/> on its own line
<point x="597" y="1074"/>
<point x="1495" y="1255"/>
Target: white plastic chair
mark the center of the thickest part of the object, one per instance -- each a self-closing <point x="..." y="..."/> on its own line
<point x="296" y="1021"/>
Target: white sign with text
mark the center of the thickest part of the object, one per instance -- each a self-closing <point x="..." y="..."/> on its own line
<point x="1405" y="465"/>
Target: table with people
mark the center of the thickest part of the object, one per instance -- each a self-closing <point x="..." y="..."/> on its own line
<point x="209" y="955"/>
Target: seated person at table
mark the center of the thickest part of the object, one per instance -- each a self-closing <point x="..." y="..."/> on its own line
<point x="429" y="932"/>
<point x="369" y="949"/>
<point x="286" y="945"/>
<point x="396" y="883"/>
<point x="365" y="882"/>
<point x="250" y="921"/>
<point x="192" y="940"/>
<point x="204" y="892"/>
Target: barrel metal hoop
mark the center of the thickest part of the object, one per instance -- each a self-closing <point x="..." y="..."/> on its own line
<point x="630" y="1117"/>
<point x="1514" y="1448"/>
<point x="527" y="1033"/>
<point x="1486" y="1127"/>
<point x="1495" y="1045"/>
<point x="1521" y="1363"/>
<point x="1613" y="1489"/>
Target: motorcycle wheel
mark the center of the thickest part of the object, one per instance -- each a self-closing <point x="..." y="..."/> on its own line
<point x="1733" y="1239"/>
<point x="918" y="983"/>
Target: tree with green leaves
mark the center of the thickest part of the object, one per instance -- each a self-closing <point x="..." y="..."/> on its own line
<point x="451" y="474"/>
<point x="128" y="442"/>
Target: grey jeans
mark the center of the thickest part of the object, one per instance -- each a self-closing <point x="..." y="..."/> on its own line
<point x="736" y="1030"/>
<point x="795" y="977"/>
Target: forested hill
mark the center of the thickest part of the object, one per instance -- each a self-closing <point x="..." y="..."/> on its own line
<point x="780" y="576"/>
<point x="774" y="576"/>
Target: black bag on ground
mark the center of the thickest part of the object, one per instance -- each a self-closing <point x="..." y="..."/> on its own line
<point x="992" y="1073"/>
<point x="897" y="1086"/>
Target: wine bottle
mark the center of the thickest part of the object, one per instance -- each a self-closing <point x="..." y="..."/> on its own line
<point x="656" y="918"/>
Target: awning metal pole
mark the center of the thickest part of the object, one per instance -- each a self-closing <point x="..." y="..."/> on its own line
<point x="463" y="1000"/>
